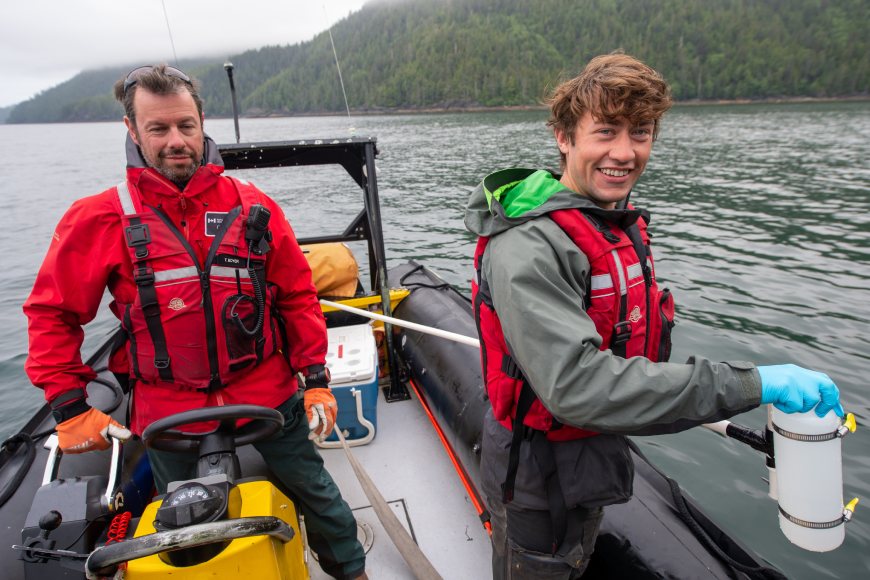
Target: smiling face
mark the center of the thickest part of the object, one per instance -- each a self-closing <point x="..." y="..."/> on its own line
<point x="604" y="158"/>
<point x="168" y="131"/>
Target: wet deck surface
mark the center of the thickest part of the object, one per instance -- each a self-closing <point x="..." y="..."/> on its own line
<point x="410" y="468"/>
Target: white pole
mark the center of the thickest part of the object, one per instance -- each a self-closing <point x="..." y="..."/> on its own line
<point x="718" y="427"/>
<point x="405" y="324"/>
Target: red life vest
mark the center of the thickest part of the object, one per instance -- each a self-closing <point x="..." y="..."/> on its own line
<point x="184" y="326"/>
<point x="633" y="317"/>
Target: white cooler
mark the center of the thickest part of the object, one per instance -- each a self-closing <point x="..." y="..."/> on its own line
<point x="352" y="360"/>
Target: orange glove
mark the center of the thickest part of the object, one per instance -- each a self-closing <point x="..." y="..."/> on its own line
<point x="89" y="432"/>
<point x="321" y="408"/>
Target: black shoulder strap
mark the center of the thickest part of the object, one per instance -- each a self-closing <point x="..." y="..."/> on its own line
<point x="633" y="233"/>
<point x="139" y="238"/>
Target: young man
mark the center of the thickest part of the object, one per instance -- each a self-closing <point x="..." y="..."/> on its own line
<point x="214" y="294"/>
<point x="575" y="331"/>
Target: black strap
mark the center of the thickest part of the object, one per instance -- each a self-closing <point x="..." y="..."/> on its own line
<point x="527" y="397"/>
<point x="622" y="329"/>
<point x="542" y="449"/>
<point x="75" y="408"/>
<point x="633" y="233"/>
<point x="134" y="359"/>
<point x="143" y="275"/>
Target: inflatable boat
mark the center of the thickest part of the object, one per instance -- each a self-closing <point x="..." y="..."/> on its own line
<point x="405" y="455"/>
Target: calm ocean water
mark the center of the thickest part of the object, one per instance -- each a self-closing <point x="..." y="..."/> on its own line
<point x="761" y="217"/>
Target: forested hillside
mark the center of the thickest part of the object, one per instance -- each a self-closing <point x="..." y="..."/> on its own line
<point x="411" y="54"/>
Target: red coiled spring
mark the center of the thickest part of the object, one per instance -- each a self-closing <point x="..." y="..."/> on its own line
<point x="118" y="528"/>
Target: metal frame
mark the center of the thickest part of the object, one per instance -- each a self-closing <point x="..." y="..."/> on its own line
<point x="357" y="156"/>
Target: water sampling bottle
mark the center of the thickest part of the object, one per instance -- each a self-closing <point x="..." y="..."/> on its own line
<point x="809" y="478"/>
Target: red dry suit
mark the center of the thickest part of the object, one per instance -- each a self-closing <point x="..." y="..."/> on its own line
<point x="89" y="253"/>
<point x="632" y="315"/>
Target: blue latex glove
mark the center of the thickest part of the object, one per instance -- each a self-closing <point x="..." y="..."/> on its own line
<point x="793" y="389"/>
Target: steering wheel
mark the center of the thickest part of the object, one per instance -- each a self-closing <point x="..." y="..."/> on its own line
<point x="161" y="434"/>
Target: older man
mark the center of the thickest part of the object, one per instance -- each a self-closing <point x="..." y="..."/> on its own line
<point x="215" y="297"/>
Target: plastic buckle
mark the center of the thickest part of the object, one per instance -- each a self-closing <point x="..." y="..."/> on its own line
<point x="621" y="332"/>
<point x="161" y="363"/>
<point x="138" y="236"/>
<point x="510" y="368"/>
<point x="143" y="276"/>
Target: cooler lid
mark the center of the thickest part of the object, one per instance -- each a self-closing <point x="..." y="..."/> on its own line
<point x="352" y="356"/>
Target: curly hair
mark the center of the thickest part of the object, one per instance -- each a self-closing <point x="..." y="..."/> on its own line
<point x="612" y="86"/>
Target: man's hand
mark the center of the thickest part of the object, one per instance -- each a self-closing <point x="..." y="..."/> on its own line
<point x="321" y="408"/>
<point x="793" y="389"/>
<point x="89" y="431"/>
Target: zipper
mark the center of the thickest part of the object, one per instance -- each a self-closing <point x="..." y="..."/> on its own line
<point x="183" y="202"/>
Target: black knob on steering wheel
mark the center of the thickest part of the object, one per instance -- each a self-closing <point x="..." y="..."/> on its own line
<point x="162" y="435"/>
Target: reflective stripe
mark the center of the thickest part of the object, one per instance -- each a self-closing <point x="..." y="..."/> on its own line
<point x="175" y="274"/>
<point x="601" y="282"/>
<point x="190" y="272"/>
<point x="634" y="271"/>
<point x="126" y="199"/>
<point x="597" y="296"/>
<point x="623" y="289"/>
<point x="229" y="272"/>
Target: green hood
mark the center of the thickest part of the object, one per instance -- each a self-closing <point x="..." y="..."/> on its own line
<point x="511" y="197"/>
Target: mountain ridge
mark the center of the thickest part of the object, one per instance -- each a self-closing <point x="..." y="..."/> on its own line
<point x="460" y="54"/>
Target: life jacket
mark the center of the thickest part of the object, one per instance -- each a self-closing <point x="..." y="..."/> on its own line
<point x="633" y="317"/>
<point x="185" y="325"/>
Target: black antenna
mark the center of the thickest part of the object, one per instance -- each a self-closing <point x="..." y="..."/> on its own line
<point x="228" y="66"/>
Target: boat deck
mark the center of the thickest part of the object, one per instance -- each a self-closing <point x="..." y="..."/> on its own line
<point x="405" y="460"/>
<point x="409" y="466"/>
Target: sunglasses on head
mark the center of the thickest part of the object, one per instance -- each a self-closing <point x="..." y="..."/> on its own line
<point x="134" y="75"/>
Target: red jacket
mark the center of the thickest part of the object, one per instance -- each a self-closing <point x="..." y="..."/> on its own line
<point x="88" y="253"/>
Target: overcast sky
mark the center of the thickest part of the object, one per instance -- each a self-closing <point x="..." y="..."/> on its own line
<point x="45" y="42"/>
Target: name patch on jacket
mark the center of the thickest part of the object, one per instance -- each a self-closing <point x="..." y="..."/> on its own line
<point x="229" y="261"/>
<point x="213" y="222"/>
<point x="233" y="261"/>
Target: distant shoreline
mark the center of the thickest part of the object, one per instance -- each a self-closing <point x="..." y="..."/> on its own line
<point x="483" y="109"/>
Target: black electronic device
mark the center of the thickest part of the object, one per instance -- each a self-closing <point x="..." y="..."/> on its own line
<point x="257" y="232"/>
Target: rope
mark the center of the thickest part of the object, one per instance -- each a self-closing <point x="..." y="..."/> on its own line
<point x="685" y="513"/>
<point x="12" y="446"/>
<point x="168" y="29"/>
<point x="337" y="66"/>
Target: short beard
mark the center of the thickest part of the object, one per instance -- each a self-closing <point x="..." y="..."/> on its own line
<point x="178" y="175"/>
<point x="170" y="173"/>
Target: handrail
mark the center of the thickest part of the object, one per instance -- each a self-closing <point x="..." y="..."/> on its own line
<point x="110" y="555"/>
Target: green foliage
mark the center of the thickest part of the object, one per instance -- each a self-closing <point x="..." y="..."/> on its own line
<point x="416" y="54"/>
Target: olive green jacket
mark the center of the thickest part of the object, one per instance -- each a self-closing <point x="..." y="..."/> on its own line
<point x="538" y="278"/>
